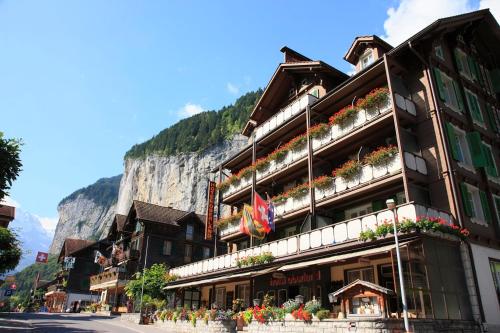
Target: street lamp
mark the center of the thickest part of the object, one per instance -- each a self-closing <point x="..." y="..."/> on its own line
<point x="391" y="204"/>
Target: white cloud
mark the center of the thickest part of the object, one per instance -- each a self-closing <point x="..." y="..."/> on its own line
<point x="48" y="224"/>
<point x="233" y="89"/>
<point x="493" y="5"/>
<point x="189" y="110"/>
<point x="412" y="16"/>
<point x="10" y="202"/>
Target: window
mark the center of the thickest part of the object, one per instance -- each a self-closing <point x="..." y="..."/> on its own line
<point x="366" y="59"/>
<point x="134" y="245"/>
<point x="438" y="51"/>
<point x="474" y="108"/>
<point x="282" y="296"/>
<point x="244" y="294"/>
<point x="495" y="271"/>
<point x="188" y="252"/>
<point x="475" y="203"/>
<point x="189" y="232"/>
<point x="462" y="64"/>
<point x="167" y="248"/>
<point x="192" y="299"/>
<point x="220" y="297"/>
<point x="496" y="199"/>
<point x="365" y="274"/>
<point x="449" y="91"/>
<point x="206" y="252"/>
<point x="459" y="146"/>
<point x="138" y="226"/>
<point x="358" y="211"/>
<point x="493" y="117"/>
<point x="490" y="167"/>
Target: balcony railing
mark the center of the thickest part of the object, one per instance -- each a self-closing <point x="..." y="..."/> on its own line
<point x="111" y="275"/>
<point x="328" y="236"/>
<point x="284" y="115"/>
<point x="128" y="255"/>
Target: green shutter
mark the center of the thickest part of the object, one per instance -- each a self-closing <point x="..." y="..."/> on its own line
<point x="474" y="110"/>
<point x="476" y="149"/>
<point x="473" y="67"/>
<point x="491" y="118"/>
<point x="439" y="81"/>
<point x="459" y="95"/>
<point x="458" y="62"/>
<point x="485" y="206"/>
<point x="490" y="166"/>
<point x="452" y="138"/>
<point x="466" y="200"/>
<point x="497" y="207"/>
<point x="495" y="79"/>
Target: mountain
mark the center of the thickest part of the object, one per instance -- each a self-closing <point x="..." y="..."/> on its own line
<point x="170" y="169"/>
<point x="33" y="236"/>
<point x="86" y="213"/>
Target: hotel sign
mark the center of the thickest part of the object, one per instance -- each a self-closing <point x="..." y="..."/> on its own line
<point x="209" y="222"/>
<point x="295" y="279"/>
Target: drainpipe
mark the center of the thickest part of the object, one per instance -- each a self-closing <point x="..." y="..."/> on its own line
<point x="465" y="249"/>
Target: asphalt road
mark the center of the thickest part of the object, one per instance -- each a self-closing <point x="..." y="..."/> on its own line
<point x="71" y="322"/>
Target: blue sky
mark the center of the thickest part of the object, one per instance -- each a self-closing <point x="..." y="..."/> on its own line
<point x="82" y="81"/>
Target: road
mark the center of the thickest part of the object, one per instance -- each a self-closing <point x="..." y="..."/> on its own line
<point x="71" y="322"/>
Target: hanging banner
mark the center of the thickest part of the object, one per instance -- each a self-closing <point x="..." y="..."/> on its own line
<point x="209" y="222"/>
<point x="69" y="262"/>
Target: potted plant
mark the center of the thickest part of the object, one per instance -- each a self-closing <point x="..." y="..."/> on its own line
<point x="344" y="118"/>
<point x="323" y="186"/>
<point x="347" y="172"/>
<point x="320" y="135"/>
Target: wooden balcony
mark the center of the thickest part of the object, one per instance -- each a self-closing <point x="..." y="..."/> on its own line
<point x="329" y="237"/>
<point x="107" y="279"/>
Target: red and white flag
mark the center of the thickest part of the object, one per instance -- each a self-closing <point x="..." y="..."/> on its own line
<point x="42" y="257"/>
<point x="261" y="212"/>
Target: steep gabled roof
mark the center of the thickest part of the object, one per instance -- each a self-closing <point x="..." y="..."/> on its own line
<point x="365" y="284"/>
<point x="154" y="213"/>
<point x="352" y="53"/>
<point x="72" y="245"/>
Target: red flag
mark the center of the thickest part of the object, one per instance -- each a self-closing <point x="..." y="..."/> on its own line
<point x="42" y="257"/>
<point x="261" y="212"/>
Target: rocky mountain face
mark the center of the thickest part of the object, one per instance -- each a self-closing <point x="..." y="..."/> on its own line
<point x="178" y="181"/>
<point x="86" y="213"/>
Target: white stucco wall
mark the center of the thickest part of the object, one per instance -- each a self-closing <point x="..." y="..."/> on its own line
<point x="489" y="299"/>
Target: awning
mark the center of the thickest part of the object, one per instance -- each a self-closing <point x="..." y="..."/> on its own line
<point x="339" y="257"/>
<point x="223" y="278"/>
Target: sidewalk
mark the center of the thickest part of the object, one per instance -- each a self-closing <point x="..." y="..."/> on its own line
<point x="135" y="327"/>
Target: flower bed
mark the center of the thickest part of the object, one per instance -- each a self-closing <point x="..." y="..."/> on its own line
<point x="264" y="258"/>
<point x="408" y="225"/>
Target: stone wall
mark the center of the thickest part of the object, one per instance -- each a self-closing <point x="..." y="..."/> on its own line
<point x="131" y="317"/>
<point x="363" y="326"/>
<point x="187" y="327"/>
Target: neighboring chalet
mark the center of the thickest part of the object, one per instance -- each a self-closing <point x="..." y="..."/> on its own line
<point x="149" y="234"/>
<point x="418" y="123"/>
<point x="73" y="284"/>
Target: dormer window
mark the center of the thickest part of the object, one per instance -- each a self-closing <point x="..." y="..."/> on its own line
<point x="366" y="59"/>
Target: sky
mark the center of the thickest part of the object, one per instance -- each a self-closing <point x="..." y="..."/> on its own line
<point x="82" y="81"/>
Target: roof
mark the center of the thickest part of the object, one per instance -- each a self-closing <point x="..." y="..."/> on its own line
<point x="365" y="284"/>
<point x="154" y="213"/>
<point x="72" y="245"/>
<point x="120" y="221"/>
<point x="351" y="54"/>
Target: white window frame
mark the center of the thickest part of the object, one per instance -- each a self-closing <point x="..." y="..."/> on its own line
<point x="468" y="95"/>
<point x="368" y="57"/>
<point x="451" y="95"/>
<point x="479" y="217"/>
<point x="463" y="145"/>
<point x="465" y="65"/>
<point x="167" y="248"/>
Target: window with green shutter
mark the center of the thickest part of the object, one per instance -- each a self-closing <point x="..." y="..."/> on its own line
<point x="467" y="200"/>
<point x="495" y="79"/>
<point x="461" y="60"/>
<point x="476" y="149"/>
<point x="491" y="117"/>
<point x="440" y="85"/>
<point x="458" y="95"/>
<point x="474" y="108"/>
<point x="453" y="140"/>
<point x="490" y="167"/>
<point x="485" y="205"/>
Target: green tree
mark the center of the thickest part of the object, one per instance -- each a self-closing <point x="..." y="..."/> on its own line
<point x="154" y="282"/>
<point x="10" y="163"/>
<point x="10" y="250"/>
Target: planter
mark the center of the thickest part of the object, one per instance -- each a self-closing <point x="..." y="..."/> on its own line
<point x="366" y="174"/>
<point x="379" y="170"/>
<point x="299" y="152"/>
<point x="321" y="140"/>
<point x="289" y="205"/>
<point x="319" y="193"/>
<point x="394" y="164"/>
<point x="335" y="132"/>
<point x="340" y="184"/>
<point x="240" y="323"/>
<point x="289" y="317"/>
<point x="279" y="209"/>
<point x="353" y="181"/>
<point x="359" y="119"/>
<point x="301" y="201"/>
<point x="371" y="113"/>
<point x="347" y="125"/>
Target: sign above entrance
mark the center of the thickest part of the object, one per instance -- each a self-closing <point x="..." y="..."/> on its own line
<point x="295" y="279"/>
<point x="209" y="223"/>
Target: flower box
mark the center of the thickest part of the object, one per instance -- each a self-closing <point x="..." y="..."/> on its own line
<point x="289" y="205"/>
<point x="336" y="132"/>
<point x="379" y="170"/>
<point x="366" y="174"/>
<point x="301" y="201"/>
<point x="297" y="154"/>
<point x="394" y="165"/>
<point x="279" y="208"/>
<point x="353" y="181"/>
<point x="359" y="119"/>
<point x="340" y="184"/>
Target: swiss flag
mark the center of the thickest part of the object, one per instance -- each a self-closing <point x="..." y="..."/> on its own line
<point x="261" y="212"/>
<point x="42" y="257"/>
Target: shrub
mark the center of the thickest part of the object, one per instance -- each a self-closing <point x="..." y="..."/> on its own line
<point x="312" y="306"/>
<point x="323" y="314"/>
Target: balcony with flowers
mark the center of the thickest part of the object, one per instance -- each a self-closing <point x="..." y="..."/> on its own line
<point x="413" y="219"/>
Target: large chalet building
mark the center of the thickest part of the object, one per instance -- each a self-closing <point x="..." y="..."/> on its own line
<point x="418" y="123"/>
